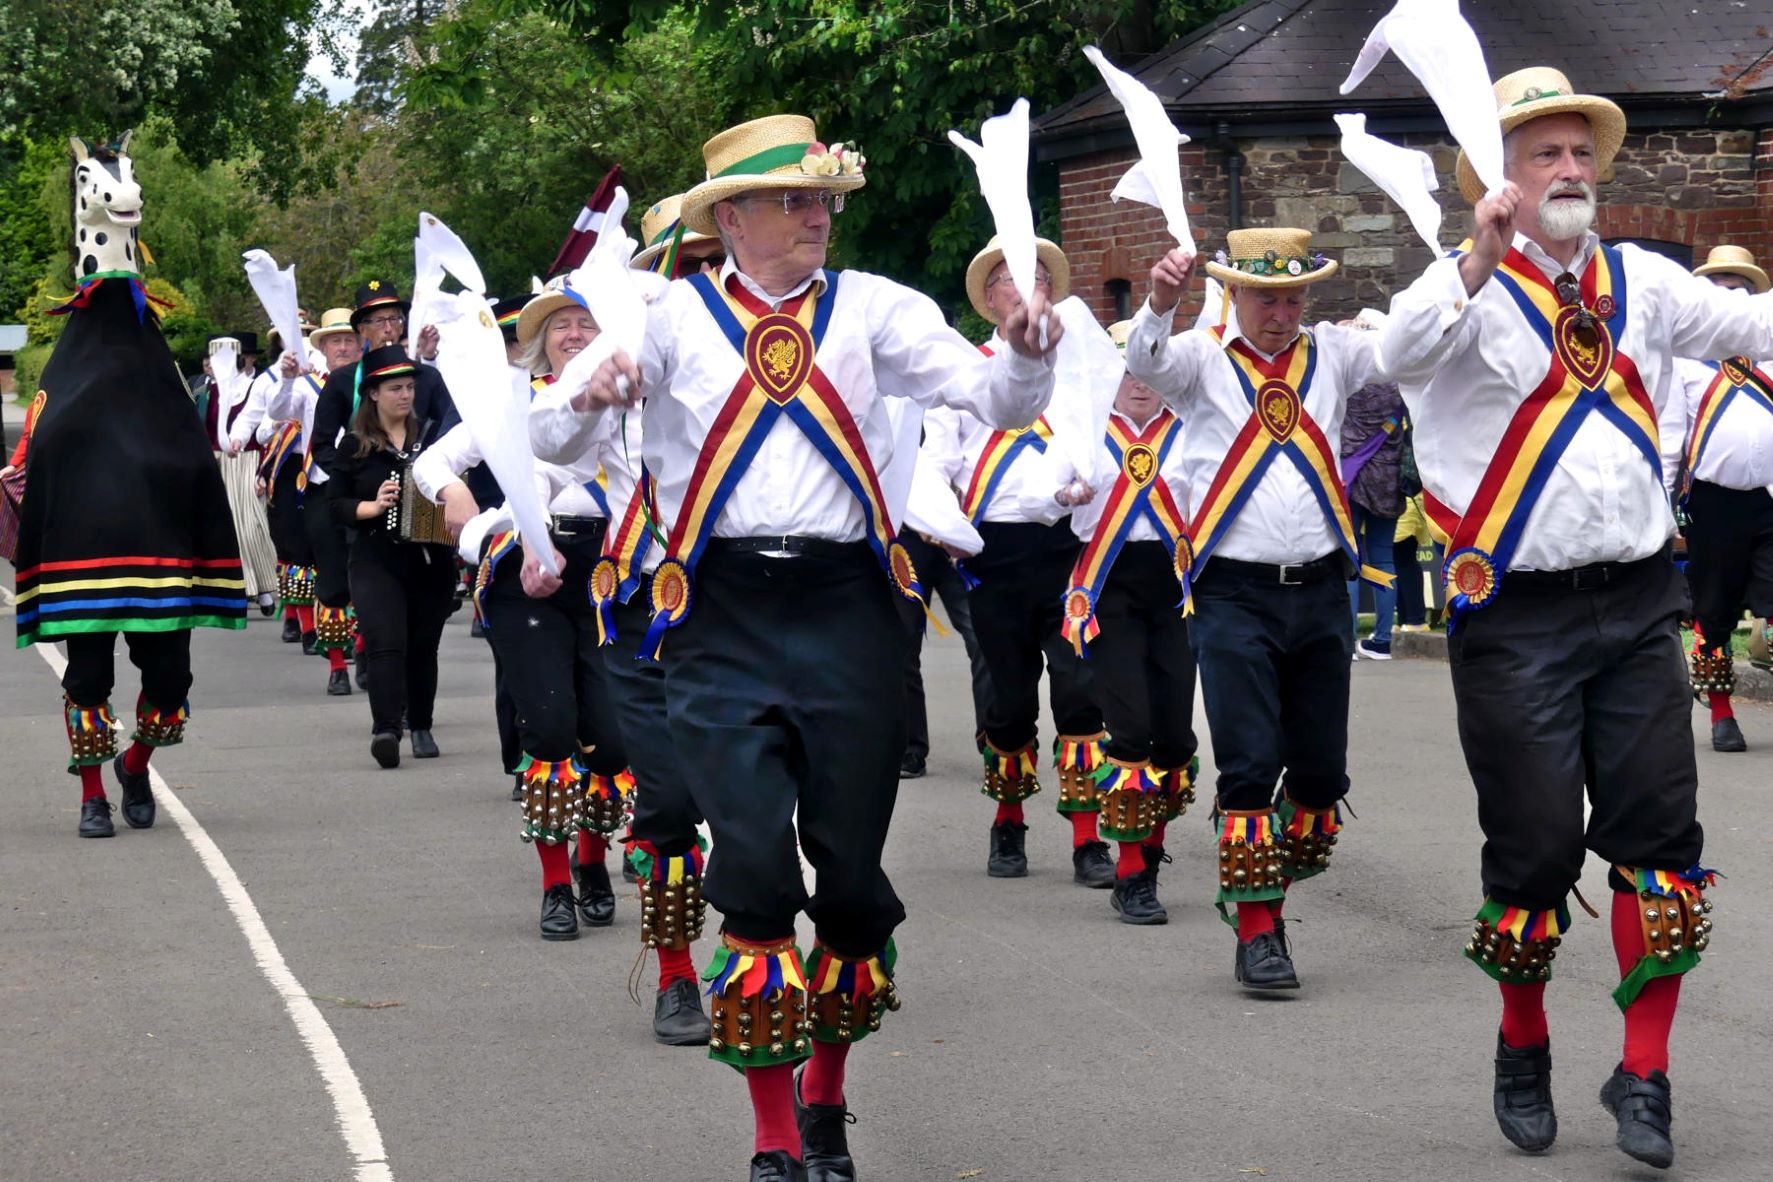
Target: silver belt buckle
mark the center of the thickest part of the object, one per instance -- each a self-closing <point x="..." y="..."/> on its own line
<point x="1286" y="579"/>
<point x="783" y="552"/>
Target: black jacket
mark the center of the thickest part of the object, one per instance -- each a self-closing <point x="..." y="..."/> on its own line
<point x="354" y="479"/>
<point x="431" y="403"/>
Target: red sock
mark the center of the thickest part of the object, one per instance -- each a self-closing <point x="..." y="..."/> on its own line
<point x="358" y="645"/>
<point x="1083" y="829"/>
<point x="92" y="783"/>
<point x="1720" y="706"/>
<point x="1132" y="860"/>
<point x="556" y="869"/>
<point x="821" y="1082"/>
<point x="1650" y="1017"/>
<point x="305" y="617"/>
<point x="335" y="659"/>
<point x="772" y="1105"/>
<point x="1009" y="812"/>
<point x="1157" y="834"/>
<point x="289" y="611"/>
<point x="1523" y="1015"/>
<point x="1252" y="920"/>
<point x="135" y="759"/>
<point x="592" y="847"/>
<point x="675" y="965"/>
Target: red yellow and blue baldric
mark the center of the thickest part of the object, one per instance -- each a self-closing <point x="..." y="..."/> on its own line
<point x="1001" y="449"/>
<point x="1587" y="375"/>
<point x="781" y="378"/>
<point x="617" y="574"/>
<point x="1736" y="377"/>
<point x="1278" y="425"/>
<point x="1139" y="493"/>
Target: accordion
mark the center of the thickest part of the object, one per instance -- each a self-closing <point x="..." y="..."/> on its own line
<point x="414" y="518"/>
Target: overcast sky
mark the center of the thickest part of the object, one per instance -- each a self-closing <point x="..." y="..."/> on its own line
<point x="339" y="89"/>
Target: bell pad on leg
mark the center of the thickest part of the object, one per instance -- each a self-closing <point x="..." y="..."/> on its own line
<point x="92" y="734"/>
<point x="295" y="584"/>
<point x="1675" y="918"/>
<point x="848" y="997"/>
<point x="1514" y="945"/>
<point x="758" y="994"/>
<point x="1009" y="775"/>
<point x="333" y="627"/>
<point x="1250" y="869"/>
<point x="553" y="797"/>
<point x="1714" y="670"/>
<point x="671" y="906"/>
<point x="605" y="806"/>
<point x="1077" y="759"/>
<point x="1132" y="800"/>
<point x="1308" y="838"/>
<point x="1178" y="789"/>
<point x="160" y="728"/>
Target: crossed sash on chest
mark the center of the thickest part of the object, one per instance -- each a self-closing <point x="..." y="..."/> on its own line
<point x="1138" y="494"/>
<point x="1002" y="448"/>
<point x="781" y="379"/>
<point x="1278" y="425"/>
<point x="286" y="442"/>
<point x="1587" y="375"/>
<point x="1736" y="378"/>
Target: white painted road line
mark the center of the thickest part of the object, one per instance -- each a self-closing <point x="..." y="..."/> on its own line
<point x="356" y="1122"/>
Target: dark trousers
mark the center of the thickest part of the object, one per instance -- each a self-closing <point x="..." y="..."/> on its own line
<point x="1561" y="690"/>
<point x="332" y="555"/>
<point x="664" y="813"/>
<point x="504" y="714"/>
<point x="288" y="519"/>
<point x="1141" y="668"/>
<point x="1411" y="608"/>
<point x="548" y="650"/>
<point x="1274" y="671"/>
<point x="783" y="691"/>
<point x="1023" y="573"/>
<point x="164" y="659"/>
<point x="1729" y="556"/>
<point x="939" y="578"/>
<point x="403" y="594"/>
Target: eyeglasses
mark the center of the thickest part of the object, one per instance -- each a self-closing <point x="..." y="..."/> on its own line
<point x="1041" y="278"/>
<point x="800" y="201"/>
<point x="386" y="320"/>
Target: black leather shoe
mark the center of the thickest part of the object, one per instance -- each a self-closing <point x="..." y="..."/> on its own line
<point x="558" y="920"/>
<point x="138" y="797"/>
<point x="1263" y="964"/>
<point x="1523" y="1095"/>
<point x="778" y="1165"/>
<point x="292" y="631"/>
<point x="1135" y="900"/>
<point x="824" y="1142"/>
<point x="95" y="818"/>
<point x="1091" y="866"/>
<point x="597" y="902"/>
<point x="678" y="1020"/>
<point x="424" y="746"/>
<point x="338" y="684"/>
<point x="1009" y="857"/>
<point x="362" y="675"/>
<point x="516" y="787"/>
<point x="385" y="746"/>
<point x="311" y="644"/>
<point x="912" y="766"/>
<point x="1726" y="735"/>
<point x="1644" y="1109"/>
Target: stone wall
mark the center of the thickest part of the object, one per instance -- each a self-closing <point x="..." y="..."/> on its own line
<point x="1695" y="188"/>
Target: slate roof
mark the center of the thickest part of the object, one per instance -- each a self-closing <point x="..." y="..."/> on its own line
<point x="1282" y="60"/>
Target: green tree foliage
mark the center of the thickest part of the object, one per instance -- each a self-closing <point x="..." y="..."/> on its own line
<point x="30" y="171"/>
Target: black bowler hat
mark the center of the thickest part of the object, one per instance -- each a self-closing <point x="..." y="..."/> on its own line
<point x="506" y="313"/>
<point x="377" y="293"/>
<point x="249" y="342"/>
<point x="389" y="361"/>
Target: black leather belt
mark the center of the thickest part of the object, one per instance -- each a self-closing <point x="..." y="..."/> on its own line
<point x="568" y="527"/>
<point x="1582" y="578"/>
<point x="786" y="546"/>
<point x="1284" y="574"/>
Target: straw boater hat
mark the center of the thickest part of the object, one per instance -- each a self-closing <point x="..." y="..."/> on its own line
<point x="656" y="227"/>
<point x="775" y="152"/>
<point x="1269" y="256"/>
<point x="333" y="322"/>
<point x="554" y="296"/>
<point x="1734" y="260"/>
<point x="985" y="262"/>
<point x="1118" y="332"/>
<point x="1538" y="91"/>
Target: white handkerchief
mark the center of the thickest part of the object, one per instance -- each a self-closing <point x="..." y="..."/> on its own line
<point x="277" y="294"/>
<point x="1001" y="157"/>
<point x="1406" y="175"/>
<point x="1157" y="178"/>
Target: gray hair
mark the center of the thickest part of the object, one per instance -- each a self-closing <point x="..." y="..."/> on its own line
<point x="534" y="357"/>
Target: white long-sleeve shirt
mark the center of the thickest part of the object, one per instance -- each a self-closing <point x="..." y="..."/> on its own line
<point x="1106" y="470"/>
<point x="883" y="340"/>
<point x="1465" y="364"/>
<point x="1739" y="451"/>
<point x="295" y="399"/>
<point x="253" y="424"/>
<point x="1280" y="522"/>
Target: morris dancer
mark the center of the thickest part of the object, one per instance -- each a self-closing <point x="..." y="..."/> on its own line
<point x="1728" y="428"/>
<point x="124" y="527"/>
<point x="1535" y="363"/>
<point x="773" y="606"/>
<point x="1017" y="487"/>
<point x="225" y="402"/>
<point x="1123" y="611"/>
<point x="1273" y="543"/>
<point x="277" y="442"/>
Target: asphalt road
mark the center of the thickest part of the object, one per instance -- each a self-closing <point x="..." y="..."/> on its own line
<point x="1040" y="1039"/>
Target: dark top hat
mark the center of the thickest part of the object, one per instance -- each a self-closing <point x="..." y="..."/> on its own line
<point x="506" y="313"/>
<point x="249" y="341"/>
<point x="390" y="361"/>
<point x="377" y="293"/>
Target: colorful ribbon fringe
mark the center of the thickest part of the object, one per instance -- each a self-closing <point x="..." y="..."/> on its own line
<point x="753" y="974"/>
<point x="651" y="865"/>
<point x="857" y="980"/>
<point x="1072" y="754"/>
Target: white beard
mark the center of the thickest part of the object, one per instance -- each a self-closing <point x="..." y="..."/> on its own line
<point x="1563" y="220"/>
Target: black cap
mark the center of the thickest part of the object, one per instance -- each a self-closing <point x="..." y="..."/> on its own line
<point x="249" y="341"/>
<point x="377" y="293"/>
<point x="389" y="361"/>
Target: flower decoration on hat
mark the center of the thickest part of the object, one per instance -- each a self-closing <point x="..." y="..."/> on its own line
<point x="837" y="160"/>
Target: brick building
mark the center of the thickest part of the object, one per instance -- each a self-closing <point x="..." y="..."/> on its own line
<point x="1256" y="90"/>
